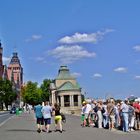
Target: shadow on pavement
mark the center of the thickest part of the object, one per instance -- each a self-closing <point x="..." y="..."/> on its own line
<point x="21" y="130"/>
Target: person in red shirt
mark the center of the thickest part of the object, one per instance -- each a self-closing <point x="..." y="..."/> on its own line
<point x="136" y="105"/>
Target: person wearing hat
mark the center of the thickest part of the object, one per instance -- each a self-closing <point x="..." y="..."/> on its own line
<point x="87" y="110"/>
<point x="83" y="121"/>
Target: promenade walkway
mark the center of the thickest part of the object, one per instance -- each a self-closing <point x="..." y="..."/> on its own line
<point x="23" y="127"/>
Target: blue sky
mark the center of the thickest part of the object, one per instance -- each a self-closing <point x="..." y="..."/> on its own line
<point x="98" y="40"/>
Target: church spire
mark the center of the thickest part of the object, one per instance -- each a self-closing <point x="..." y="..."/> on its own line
<point x="15" y="59"/>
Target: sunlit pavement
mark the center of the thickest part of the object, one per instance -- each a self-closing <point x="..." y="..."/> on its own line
<point x="23" y="127"/>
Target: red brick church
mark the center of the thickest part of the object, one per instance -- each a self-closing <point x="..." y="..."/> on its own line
<point x="14" y="71"/>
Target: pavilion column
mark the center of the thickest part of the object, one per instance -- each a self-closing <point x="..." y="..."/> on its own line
<point x="50" y="98"/>
<point x="62" y="100"/>
<point x="57" y="98"/>
<point x="71" y="100"/>
<point x="53" y="97"/>
<point x="79" y="100"/>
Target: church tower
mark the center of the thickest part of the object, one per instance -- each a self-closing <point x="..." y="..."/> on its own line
<point x="1" y="62"/>
<point x="15" y="71"/>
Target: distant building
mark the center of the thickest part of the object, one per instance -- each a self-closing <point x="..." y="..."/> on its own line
<point x="1" y="61"/>
<point x="15" y="74"/>
<point x="66" y="91"/>
<point x="14" y="71"/>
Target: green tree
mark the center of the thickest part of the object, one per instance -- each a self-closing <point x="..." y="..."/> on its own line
<point x="7" y="94"/>
<point x="45" y="89"/>
<point x="32" y="93"/>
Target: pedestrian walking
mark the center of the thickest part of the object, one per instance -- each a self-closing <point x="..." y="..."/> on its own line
<point x="39" y="117"/>
<point x="47" y="113"/>
<point x="111" y="113"/>
<point x="57" y="118"/>
<point x="125" y="116"/>
<point x="83" y="121"/>
<point x="105" y="115"/>
<point x="87" y="112"/>
<point x="99" y="117"/>
<point x="131" y="118"/>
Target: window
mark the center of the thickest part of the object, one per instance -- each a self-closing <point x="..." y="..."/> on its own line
<point x="59" y="100"/>
<point x="66" y="100"/>
<point x="75" y="100"/>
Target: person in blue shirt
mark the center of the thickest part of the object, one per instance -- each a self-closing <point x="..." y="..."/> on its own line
<point x="39" y="117"/>
<point x="125" y="116"/>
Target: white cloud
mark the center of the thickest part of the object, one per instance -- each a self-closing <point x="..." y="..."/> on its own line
<point x="137" y="48"/>
<point x="40" y="58"/>
<point x="97" y="75"/>
<point x="69" y="54"/>
<point x="137" y="77"/>
<point x="75" y="74"/>
<point x="34" y="38"/>
<point x="121" y="70"/>
<point x="6" y="60"/>
<point x="84" y="37"/>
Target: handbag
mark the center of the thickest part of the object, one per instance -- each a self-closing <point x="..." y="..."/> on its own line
<point x="63" y="118"/>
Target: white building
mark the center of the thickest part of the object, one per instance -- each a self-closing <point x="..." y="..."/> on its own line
<point x="66" y="91"/>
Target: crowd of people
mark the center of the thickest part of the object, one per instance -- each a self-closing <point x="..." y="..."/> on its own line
<point x="109" y="114"/>
<point x="112" y="115"/>
<point x="44" y="116"/>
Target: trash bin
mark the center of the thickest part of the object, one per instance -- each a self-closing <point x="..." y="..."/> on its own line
<point x="17" y="111"/>
<point x="20" y="110"/>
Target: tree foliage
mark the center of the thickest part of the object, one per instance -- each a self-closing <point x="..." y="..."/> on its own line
<point x="23" y="88"/>
<point x="31" y="93"/>
<point x="7" y="94"/>
<point x="45" y="89"/>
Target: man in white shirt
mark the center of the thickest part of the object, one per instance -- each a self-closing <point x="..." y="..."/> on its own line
<point x="47" y="111"/>
<point x="87" y="112"/>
